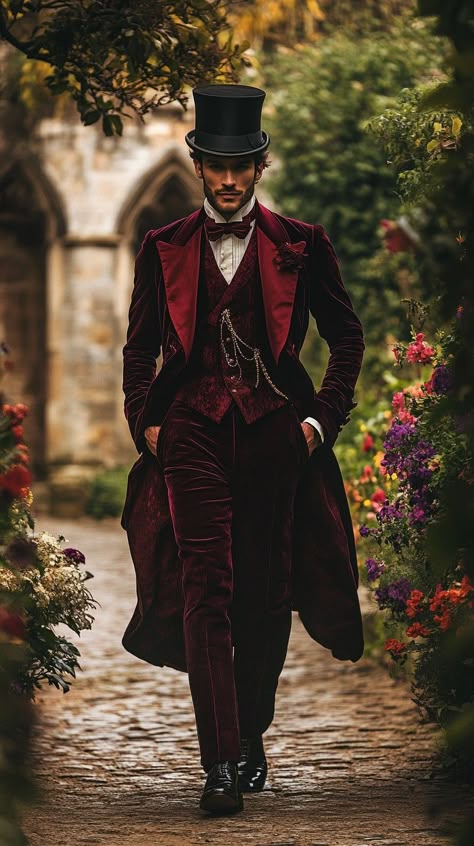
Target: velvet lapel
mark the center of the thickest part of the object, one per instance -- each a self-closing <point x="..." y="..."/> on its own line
<point x="180" y="260"/>
<point x="278" y="286"/>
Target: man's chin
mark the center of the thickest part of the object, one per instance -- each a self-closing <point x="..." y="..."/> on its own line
<point x="228" y="205"/>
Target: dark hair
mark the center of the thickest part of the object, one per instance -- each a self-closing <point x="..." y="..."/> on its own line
<point x="259" y="158"/>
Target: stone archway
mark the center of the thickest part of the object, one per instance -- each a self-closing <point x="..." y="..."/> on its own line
<point x="30" y="221"/>
<point x="165" y="193"/>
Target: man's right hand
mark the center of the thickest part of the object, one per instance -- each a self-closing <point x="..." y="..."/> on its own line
<point x="151" y="437"/>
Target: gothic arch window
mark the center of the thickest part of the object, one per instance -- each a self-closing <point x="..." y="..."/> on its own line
<point x="168" y="192"/>
<point x="29" y="220"/>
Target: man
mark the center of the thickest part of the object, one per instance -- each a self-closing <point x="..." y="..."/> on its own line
<point x="236" y="511"/>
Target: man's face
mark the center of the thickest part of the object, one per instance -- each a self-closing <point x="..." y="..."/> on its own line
<point x="228" y="181"/>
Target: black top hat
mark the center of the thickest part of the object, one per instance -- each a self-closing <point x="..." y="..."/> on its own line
<point x="228" y="120"/>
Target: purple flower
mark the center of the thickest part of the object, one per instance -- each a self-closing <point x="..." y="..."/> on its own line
<point x="397" y="435"/>
<point x="442" y="379"/>
<point x="364" y="531"/>
<point x="394" y="596"/>
<point x="74" y="555"/>
<point x="389" y="512"/>
<point x="374" y="569"/>
<point x="417" y="516"/>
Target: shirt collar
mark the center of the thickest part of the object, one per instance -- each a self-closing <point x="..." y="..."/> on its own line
<point x="239" y="215"/>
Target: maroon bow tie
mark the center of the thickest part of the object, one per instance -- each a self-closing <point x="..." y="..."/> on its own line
<point x="241" y="228"/>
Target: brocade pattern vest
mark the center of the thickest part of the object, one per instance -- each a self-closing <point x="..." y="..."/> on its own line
<point x="216" y="381"/>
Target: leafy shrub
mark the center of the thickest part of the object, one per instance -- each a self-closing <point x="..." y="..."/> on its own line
<point x="107" y="493"/>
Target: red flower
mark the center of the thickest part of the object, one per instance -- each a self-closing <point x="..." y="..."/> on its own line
<point x="23" y="455"/>
<point x="16" y="481"/>
<point x="12" y="624"/>
<point x="412" y="607"/>
<point x="395" y="647"/>
<point x="367" y="443"/>
<point x="379" y="495"/>
<point x="17" y="432"/>
<point x="396" y="237"/>
<point x="417" y="630"/>
<point x="290" y="256"/>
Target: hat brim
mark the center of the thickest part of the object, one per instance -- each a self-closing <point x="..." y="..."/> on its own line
<point x="190" y="136"/>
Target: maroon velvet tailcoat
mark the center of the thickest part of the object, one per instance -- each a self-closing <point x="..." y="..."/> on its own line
<point x="163" y="318"/>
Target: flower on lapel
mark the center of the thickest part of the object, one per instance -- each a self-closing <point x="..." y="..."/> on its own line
<point x="290" y="256"/>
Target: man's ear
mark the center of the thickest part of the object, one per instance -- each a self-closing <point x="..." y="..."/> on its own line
<point x="258" y="172"/>
<point x="198" y="168"/>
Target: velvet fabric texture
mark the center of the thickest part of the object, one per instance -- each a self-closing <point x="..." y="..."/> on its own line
<point x="163" y="318"/>
<point x="231" y="488"/>
<point x="212" y="385"/>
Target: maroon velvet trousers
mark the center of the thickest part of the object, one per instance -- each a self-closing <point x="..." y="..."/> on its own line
<point x="231" y="488"/>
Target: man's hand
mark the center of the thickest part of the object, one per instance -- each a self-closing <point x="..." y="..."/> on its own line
<point x="151" y="437"/>
<point x="313" y="438"/>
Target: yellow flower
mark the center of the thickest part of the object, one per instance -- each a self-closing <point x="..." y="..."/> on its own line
<point x="367" y="503"/>
<point x="437" y="126"/>
<point x="378" y="458"/>
<point x="363" y="427"/>
<point x="394" y="476"/>
<point x="456" y="126"/>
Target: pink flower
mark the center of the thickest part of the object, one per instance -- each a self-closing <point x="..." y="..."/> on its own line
<point x="419" y="350"/>
<point x="398" y="402"/>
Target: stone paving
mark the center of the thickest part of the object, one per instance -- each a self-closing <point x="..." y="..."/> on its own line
<point x="118" y="761"/>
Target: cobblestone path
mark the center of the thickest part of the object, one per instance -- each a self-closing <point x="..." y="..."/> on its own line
<point x="118" y="759"/>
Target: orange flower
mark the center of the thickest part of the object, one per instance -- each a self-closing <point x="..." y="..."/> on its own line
<point x="443" y="619"/>
<point x="366" y="474"/>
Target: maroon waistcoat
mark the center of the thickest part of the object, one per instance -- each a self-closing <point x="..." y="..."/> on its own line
<point x="214" y="381"/>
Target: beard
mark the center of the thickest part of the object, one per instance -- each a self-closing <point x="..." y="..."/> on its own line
<point x="213" y="199"/>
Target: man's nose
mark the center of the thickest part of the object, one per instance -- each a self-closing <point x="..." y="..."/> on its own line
<point x="229" y="179"/>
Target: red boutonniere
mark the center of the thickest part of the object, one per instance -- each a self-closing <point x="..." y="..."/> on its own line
<point x="290" y="256"/>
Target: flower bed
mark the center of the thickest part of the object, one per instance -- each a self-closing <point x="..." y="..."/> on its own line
<point x="423" y="451"/>
<point x="42" y="584"/>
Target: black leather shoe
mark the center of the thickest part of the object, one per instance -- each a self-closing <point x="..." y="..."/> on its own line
<point x="252" y="767"/>
<point x="221" y="793"/>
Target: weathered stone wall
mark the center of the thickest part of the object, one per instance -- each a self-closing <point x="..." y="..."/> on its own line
<point x="91" y="198"/>
<point x="74" y="207"/>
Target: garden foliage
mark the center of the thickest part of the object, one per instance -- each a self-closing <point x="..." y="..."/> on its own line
<point x="329" y="169"/>
<point x="408" y="465"/>
<point x="42" y="584"/>
<point x="117" y="58"/>
<point x="421" y="557"/>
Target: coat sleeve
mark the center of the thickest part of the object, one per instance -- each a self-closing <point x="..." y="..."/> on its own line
<point x="340" y="327"/>
<point x="143" y="339"/>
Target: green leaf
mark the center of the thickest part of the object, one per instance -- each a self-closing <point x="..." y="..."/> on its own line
<point x="91" y="117"/>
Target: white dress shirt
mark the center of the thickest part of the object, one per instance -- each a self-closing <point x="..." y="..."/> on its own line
<point x="229" y="251"/>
